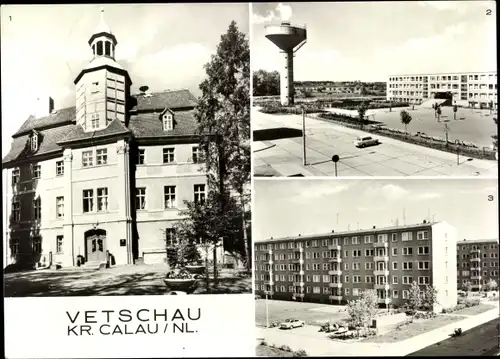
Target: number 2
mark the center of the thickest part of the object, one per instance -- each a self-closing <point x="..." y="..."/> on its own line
<point x="488" y="11"/>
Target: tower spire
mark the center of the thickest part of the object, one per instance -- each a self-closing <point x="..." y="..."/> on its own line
<point x="102" y="14"/>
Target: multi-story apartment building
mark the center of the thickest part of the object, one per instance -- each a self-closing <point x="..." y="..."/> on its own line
<point x="477" y="263"/>
<point x="102" y="181"/>
<point x="336" y="267"/>
<point x="477" y="89"/>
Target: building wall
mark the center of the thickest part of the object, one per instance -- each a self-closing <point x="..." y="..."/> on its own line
<point x="480" y="87"/>
<point x="378" y="249"/>
<point x="488" y="264"/>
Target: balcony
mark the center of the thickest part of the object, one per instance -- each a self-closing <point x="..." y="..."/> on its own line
<point x="298" y="284"/>
<point x="381" y="258"/>
<point x="334" y="248"/>
<point x="476" y="286"/>
<point x="271" y="262"/>
<point x="475" y="251"/>
<point x="476" y="269"/>
<point x="297" y="260"/>
<point x="335" y="285"/>
<point x="300" y="295"/>
<point x="384" y="272"/>
<point x="384" y="301"/>
<point x="335" y="272"/>
<point x="478" y="276"/>
<point x="269" y="282"/>
<point x="380" y="244"/>
<point x="299" y="272"/>
<point x="475" y="259"/>
<point x="335" y="297"/>
<point x="269" y="293"/>
<point x="382" y="286"/>
<point x="335" y="259"/>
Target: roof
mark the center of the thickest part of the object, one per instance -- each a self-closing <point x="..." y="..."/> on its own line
<point x="359" y="231"/>
<point x="150" y="125"/>
<point x="159" y="100"/>
<point x="79" y="134"/>
<point x="99" y="61"/>
<point x="475" y="241"/>
<point x="20" y="146"/>
<point x="60" y="117"/>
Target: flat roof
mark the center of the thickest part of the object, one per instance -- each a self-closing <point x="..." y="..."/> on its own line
<point x="467" y="241"/>
<point x="358" y="231"/>
<point x="445" y="73"/>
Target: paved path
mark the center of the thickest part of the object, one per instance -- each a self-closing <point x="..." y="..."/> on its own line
<point x="283" y="157"/>
<point x="316" y="344"/>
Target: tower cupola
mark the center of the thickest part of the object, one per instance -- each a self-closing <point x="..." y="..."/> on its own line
<point x="103" y="42"/>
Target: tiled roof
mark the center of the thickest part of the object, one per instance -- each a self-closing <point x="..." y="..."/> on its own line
<point x="49" y="138"/>
<point x="78" y="133"/>
<point x="61" y="116"/>
<point x="150" y="125"/>
<point x="359" y="231"/>
<point x="160" y="100"/>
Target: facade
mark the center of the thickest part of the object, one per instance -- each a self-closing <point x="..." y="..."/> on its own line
<point x="335" y="267"/>
<point x="474" y="89"/>
<point x="477" y="263"/>
<point x="101" y="182"/>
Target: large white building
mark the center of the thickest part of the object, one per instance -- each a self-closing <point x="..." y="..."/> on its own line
<point x="471" y="89"/>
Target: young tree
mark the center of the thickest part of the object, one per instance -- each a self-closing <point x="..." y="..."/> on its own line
<point x="491" y="284"/>
<point x="434" y="107"/>
<point x="429" y="299"/>
<point x="405" y="120"/>
<point x="363" y="310"/>
<point x="361" y="114"/>
<point x="438" y="111"/>
<point x="223" y="116"/>
<point x="414" y="300"/>
<point x="472" y="104"/>
<point x="491" y="106"/>
<point x="495" y="137"/>
<point x="468" y="287"/>
<point x="455" y="109"/>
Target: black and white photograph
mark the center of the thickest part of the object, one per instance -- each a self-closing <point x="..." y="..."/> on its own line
<point x="402" y="267"/>
<point x="126" y="149"/>
<point x="399" y="88"/>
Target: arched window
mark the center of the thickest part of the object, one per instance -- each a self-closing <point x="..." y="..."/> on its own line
<point x="107" y="48"/>
<point x="99" y="48"/>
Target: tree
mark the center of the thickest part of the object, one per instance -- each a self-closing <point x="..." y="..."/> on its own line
<point x="266" y="83"/>
<point x="405" y="120"/>
<point x="429" y="299"/>
<point x="363" y="310"/>
<point x="223" y="116"/>
<point x="434" y="107"/>
<point x="468" y="287"/>
<point x="414" y="300"/>
<point x="472" y="104"/>
<point x="438" y="111"/>
<point x="491" y="284"/>
<point x="495" y="137"/>
<point x="455" y="109"/>
<point x="361" y="114"/>
<point x="491" y="106"/>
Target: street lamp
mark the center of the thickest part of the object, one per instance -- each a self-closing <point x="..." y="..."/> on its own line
<point x="304" y="133"/>
<point x="267" y="310"/>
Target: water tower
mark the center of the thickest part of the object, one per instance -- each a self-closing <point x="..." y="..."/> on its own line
<point x="289" y="38"/>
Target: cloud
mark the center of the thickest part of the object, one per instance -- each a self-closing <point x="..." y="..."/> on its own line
<point x="459" y="6"/>
<point x="388" y="191"/>
<point x="424" y="196"/>
<point x="318" y="191"/>
<point x="282" y="12"/>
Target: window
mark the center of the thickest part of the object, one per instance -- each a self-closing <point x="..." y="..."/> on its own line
<point x="405" y="294"/>
<point x="169" y="194"/>
<point x="59" y="168"/>
<point x="346" y="266"/>
<point x="395" y="294"/>
<point x="407" y="251"/>
<point x="316" y="290"/>
<point x="407" y="265"/>
<point x="102" y="199"/>
<point x="37" y="245"/>
<point x="394" y="251"/>
<point x="356" y="253"/>
<point x="355" y="240"/>
<point x="15" y="175"/>
<point x="368" y="265"/>
<point x="316" y="278"/>
<point x="168" y="155"/>
<point x="60" y="207"/>
<point x="199" y="193"/>
<point x="346" y="279"/>
<point x="15" y="245"/>
<point x="88" y="200"/>
<point x="196" y="154"/>
<point x="423" y="265"/>
<point x="34" y="142"/>
<point x="423" y="235"/>
<point x="356" y="279"/>
<point x="141" y="156"/>
<point x="59" y="244"/>
<point x="168" y="122"/>
<point x="394" y="237"/>
<point x="36" y="171"/>
<point x="140" y="198"/>
<point x="406" y="236"/>
<point x="368" y="239"/>
<point x="102" y="156"/>
<point x="170" y="236"/>
<point x="423" y="280"/>
<point x="87" y="158"/>
<point x="369" y="252"/>
<point x="37" y="209"/>
<point x="369" y="279"/>
<point x="95" y="85"/>
<point x="94" y="121"/>
<point x="355" y="292"/>
<point x="395" y="265"/>
<point x="355" y="266"/>
<point x="407" y="280"/>
<point x="395" y="279"/>
<point x="346" y="291"/>
<point x="423" y="250"/>
<point x="16" y="211"/>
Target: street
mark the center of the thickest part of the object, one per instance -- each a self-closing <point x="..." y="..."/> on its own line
<point x="280" y="152"/>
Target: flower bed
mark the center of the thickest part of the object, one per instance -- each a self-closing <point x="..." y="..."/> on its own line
<point x="180" y="280"/>
<point x="462" y="304"/>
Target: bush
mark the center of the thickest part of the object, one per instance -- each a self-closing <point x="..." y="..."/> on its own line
<point x="424" y="315"/>
<point x="285" y="348"/>
<point x="300" y="353"/>
<point x="263" y="342"/>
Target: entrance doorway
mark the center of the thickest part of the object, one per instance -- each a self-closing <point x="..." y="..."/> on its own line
<point x="95" y="245"/>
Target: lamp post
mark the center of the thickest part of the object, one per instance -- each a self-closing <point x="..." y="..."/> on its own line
<point x="267" y="311"/>
<point x="304" y="134"/>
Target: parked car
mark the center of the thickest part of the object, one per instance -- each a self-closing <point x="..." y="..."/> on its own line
<point x="365" y="141"/>
<point x="292" y="323"/>
<point x="176" y="292"/>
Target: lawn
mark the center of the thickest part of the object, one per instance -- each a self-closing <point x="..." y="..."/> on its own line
<point x="478" y="309"/>
<point x="311" y="313"/>
<point x="266" y="351"/>
<point x="413" y="329"/>
<point x="119" y="280"/>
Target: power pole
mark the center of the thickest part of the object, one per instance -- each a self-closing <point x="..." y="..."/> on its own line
<point x="304" y="135"/>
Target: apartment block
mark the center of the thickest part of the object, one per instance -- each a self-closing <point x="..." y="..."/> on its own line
<point x="477" y="263"/>
<point x="472" y="89"/>
<point x="336" y="267"/>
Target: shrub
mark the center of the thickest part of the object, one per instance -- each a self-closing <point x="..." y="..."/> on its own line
<point x="424" y="315"/>
<point x="300" y="353"/>
<point x="285" y="348"/>
<point x="263" y="342"/>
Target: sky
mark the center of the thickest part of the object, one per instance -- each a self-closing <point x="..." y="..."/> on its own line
<point x="368" y="41"/>
<point x="163" y="46"/>
<point x="289" y="207"/>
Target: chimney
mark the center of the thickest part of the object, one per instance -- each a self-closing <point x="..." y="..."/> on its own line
<point x="44" y="106"/>
<point x="374" y="227"/>
<point x="425" y="221"/>
<point x="299" y="234"/>
<point x="333" y="230"/>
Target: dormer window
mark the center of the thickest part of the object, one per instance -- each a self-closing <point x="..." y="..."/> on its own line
<point x="168" y="120"/>
<point x="34" y="142"/>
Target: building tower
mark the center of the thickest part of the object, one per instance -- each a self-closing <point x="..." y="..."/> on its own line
<point x="289" y="39"/>
<point x="103" y="86"/>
